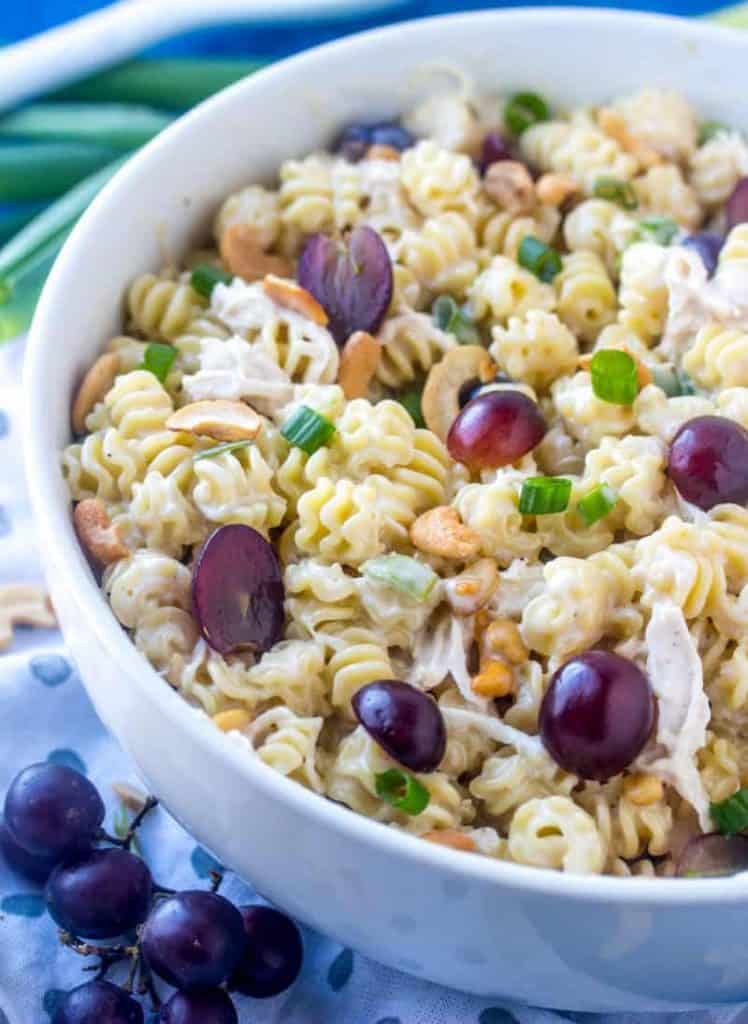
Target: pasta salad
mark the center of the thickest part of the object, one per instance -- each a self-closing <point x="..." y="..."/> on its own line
<point x="427" y="480"/>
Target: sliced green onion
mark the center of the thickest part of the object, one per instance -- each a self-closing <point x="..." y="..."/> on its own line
<point x="596" y="504"/>
<point x="307" y="430"/>
<point x="450" y="317"/>
<point x="159" y="358"/>
<point x="709" y="130"/>
<point x="411" y="399"/>
<point x="18" y="298"/>
<point x="673" y="382"/>
<point x="617" y="191"/>
<point x="109" y="124"/>
<point x="43" y="170"/>
<point x="614" y="376"/>
<point x="731" y="815"/>
<point x="523" y="110"/>
<point x="171" y="84"/>
<point x="402" y="791"/>
<point x="658" y="229"/>
<point x="15" y="216"/>
<point x="403" y="573"/>
<point x="541" y="259"/>
<point x="205" y="277"/>
<point x="544" y="495"/>
<point x="219" y="449"/>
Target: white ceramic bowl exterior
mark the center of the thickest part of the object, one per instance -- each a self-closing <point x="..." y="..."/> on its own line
<point x="487" y="927"/>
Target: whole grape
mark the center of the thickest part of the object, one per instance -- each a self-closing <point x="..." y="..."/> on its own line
<point x="404" y="721"/>
<point x="708" y="461"/>
<point x="100" y="894"/>
<point x="199" y="1006"/>
<point x="53" y="811"/>
<point x="36" y="869"/>
<point x="98" y="1002"/>
<point x="193" y="939"/>
<point x="272" y="959"/>
<point x="495" y="428"/>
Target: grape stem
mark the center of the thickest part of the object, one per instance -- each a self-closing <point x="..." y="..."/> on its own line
<point x="216" y="880"/>
<point x="108" y="956"/>
<point x="127" y="839"/>
<point x="146" y="985"/>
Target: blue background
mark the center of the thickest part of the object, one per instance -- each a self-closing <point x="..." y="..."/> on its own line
<point x="19" y="19"/>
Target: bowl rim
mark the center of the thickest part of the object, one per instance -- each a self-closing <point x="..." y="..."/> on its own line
<point x="53" y="517"/>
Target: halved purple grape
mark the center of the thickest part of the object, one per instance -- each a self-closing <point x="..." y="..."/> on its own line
<point x="29" y="865"/>
<point x="494" y="148"/>
<point x="101" y="894"/>
<point x="404" y="721"/>
<point x="194" y="939"/>
<point x="713" y="855"/>
<point x="201" y="1006"/>
<point x="496" y="428"/>
<point x="597" y="714"/>
<point x="351" y="280"/>
<point x="52" y="810"/>
<point x="355" y="139"/>
<point x="708" y="245"/>
<point x="708" y="462"/>
<point x="98" y="1002"/>
<point x="736" y="209"/>
<point x="272" y="959"/>
<point x="237" y="591"/>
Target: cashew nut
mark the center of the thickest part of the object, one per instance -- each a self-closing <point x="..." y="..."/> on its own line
<point x="218" y="418"/>
<point x="358" y="361"/>
<point x="381" y="152"/>
<point x="97" y="533"/>
<point x="293" y="296"/>
<point x="554" y="189"/>
<point x="510" y="185"/>
<point x="473" y="588"/>
<point x="441" y="532"/>
<point x="440" y="402"/>
<point x="452" y="838"/>
<point x="97" y="381"/>
<point x="242" y="253"/>
<point x="23" y="604"/>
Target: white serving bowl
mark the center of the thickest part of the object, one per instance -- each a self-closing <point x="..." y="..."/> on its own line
<point x="472" y="923"/>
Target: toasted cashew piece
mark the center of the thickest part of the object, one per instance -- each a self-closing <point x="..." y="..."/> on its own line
<point x="441" y="532"/>
<point x="293" y="296"/>
<point x="643" y="789"/>
<point x="24" y="604"/>
<point x="614" y="125"/>
<point x="495" y="679"/>
<point x="358" y="361"/>
<point x="217" y="418"/>
<point x="381" y="152"/>
<point x="97" y="381"/>
<point x="501" y="638"/>
<point x="440" y="401"/>
<point x="96" y="532"/>
<point x="452" y="838"/>
<point x="510" y="184"/>
<point x="245" y="257"/>
<point x="133" y="798"/>
<point x="644" y="375"/>
<point x="473" y="588"/>
<point x="234" y="718"/>
<point x="555" y="189"/>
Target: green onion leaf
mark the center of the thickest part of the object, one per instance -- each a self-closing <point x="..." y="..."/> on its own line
<point x="159" y="359"/>
<point x="617" y="191"/>
<point x="109" y="124"/>
<point x="708" y="130"/>
<point x="402" y="791"/>
<point x="596" y="504"/>
<point x="47" y="169"/>
<point x="523" y="110"/>
<point x="731" y="815"/>
<point x="411" y="399"/>
<point x="450" y="317"/>
<point x="614" y="376"/>
<point x="307" y="430"/>
<point x="205" y="277"/>
<point x="414" y="578"/>
<point x="544" y="495"/>
<point x="541" y="259"/>
<point x="657" y="229"/>
<point x="219" y="449"/>
<point x="673" y="382"/>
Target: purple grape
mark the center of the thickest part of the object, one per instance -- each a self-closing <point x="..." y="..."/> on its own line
<point x="194" y="939"/>
<point x="272" y="959"/>
<point x="355" y="139"/>
<point x="708" y="245"/>
<point x="736" y="209"/>
<point x="496" y="428"/>
<point x="35" y="868"/>
<point x="494" y="148"/>
<point x="352" y="282"/>
<point x="201" y="1006"/>
<point x="53" y="811"/>
<point x="98" y="1002"/>
<point x="100" y="894"/>
<point x="237" y="591"/>
<point x="404" y="721"/>
<point x="597" y="714"/>
<point x="708" y="462"/>
<point x="713" y="855"/>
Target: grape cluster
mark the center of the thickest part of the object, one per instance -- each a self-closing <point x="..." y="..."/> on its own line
<point x="97" y="888"/>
